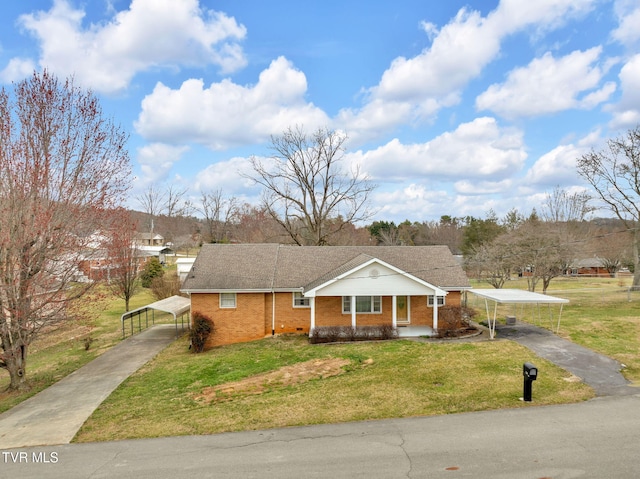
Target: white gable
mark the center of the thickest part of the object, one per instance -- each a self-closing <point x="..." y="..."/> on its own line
<point x="375" y="278"/>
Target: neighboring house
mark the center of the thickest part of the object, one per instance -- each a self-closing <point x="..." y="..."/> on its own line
<point x="149" y="239"/>
<point x="594" y="267"/>
<point x="254" y="290"/>
<point x="153" y="244"/>
<point x="95" y="264"/>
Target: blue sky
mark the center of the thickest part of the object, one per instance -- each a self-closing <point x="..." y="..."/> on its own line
<point x="451" y="108"/>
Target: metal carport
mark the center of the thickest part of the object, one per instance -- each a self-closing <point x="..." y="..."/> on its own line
<point x="516" y="296"/>
<point x="174" y="305"/>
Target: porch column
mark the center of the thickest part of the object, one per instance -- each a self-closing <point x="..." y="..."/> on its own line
<point x="394" y="312"/>
<point x="312" y="303"/>
<point x="435" y="312"/>
<point x="353" y="312"/>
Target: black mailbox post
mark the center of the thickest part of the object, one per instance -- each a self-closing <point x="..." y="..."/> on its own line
<point x="530" y="373"/>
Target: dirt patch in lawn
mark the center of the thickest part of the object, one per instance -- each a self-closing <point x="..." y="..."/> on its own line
<point x="285" y="376"/>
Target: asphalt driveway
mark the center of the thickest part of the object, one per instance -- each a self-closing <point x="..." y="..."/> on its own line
<point x="600" y="372"/>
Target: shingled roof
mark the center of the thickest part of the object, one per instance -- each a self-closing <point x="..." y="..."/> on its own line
<point x="273" y="267"/>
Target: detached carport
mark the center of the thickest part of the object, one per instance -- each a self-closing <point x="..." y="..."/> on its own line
<point x="175" y="305"/>
<point x="516" y="296"/>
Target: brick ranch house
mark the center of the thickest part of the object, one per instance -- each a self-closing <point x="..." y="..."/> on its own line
<point x="255" y="290"/>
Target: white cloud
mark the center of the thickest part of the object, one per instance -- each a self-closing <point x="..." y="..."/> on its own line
<point x="479" y="149"/>
<point x="557" y="167"/>
<point x="459" y="52"/>
<point x="17" y="69"/>
<point x="541" y="15"/>
<point x="150" y="34"/>
<point x="628" y="13"/>
<point x="418" y="202"/>
<point x="626" y="114"/>
<point x="417" y="88"/>
<point x="227" y="176"/>
<point x="548" y="85"/>
<point x="469" y="187"/>
<point x="411" y="201"/>
<point x="156" y="160"/>
<point x="227" y="114"/>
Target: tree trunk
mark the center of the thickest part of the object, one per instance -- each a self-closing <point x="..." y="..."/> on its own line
<point x="636" y="258"/>
<point x="16" y="363"/>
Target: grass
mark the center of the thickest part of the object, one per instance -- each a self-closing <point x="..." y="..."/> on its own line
<point x="404" y="378"/>
<point x="58" y="353"/>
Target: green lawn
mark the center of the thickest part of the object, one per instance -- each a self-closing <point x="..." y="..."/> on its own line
<point x="383" y="380"/>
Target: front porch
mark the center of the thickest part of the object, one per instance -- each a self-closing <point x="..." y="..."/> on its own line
<point x="414" y="331"/>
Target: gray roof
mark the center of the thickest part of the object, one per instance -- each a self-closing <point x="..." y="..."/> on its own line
<point x="267" y="267"/>
<point x="588" y="263"/>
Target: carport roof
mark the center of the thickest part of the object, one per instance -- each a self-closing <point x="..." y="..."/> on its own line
<point x="517" y="296"/>
<point x="175" y="305"/>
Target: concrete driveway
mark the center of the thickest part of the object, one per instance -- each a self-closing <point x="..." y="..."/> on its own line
<point x="55" y="415"/>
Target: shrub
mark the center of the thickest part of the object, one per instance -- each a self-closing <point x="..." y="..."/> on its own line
<point x="334" y="334"/>
<point x="152" y="269"/>
<point x="453" y="319"/>
<point x="388" y="332"/>
<point x="165" y="286"/>
<point x="200" y="331"/>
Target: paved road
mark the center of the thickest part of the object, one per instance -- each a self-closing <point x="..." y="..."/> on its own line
<point x="595" y="439"/>
<point x="55" y="415"/>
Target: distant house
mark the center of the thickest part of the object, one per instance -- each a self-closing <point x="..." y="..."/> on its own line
<point x="149" y="239"/>
<point x="254" y="290"/>
<point x="95" y="265"/>
<point x="153" y="244"/>
<point x="593" y="267"/>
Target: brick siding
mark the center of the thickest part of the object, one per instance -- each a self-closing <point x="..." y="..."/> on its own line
<point x="252" y="318"/>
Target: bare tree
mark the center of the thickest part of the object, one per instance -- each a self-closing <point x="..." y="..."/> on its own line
<point x="219" y="214"/>
<point x="613" y="173"/>
<point x="176" y="204"/>
<point x="152" y="202"/>
<point x="256" y="225"/>
<point x="492" y="262"/>
<point x="562" y="206"/>
<point x="63" y="168"/>
<point x="541" y="249"/>
<point x="307" y="187"/>
<point x="123" y="258"/>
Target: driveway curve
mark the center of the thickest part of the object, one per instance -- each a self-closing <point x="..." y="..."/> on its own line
<point x="598" y="371"/>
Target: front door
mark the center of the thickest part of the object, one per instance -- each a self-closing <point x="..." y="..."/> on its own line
<point x="402" y="309"/>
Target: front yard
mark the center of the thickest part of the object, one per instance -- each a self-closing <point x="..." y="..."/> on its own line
<point x="285" y="381"/>
<point x="176" y="394"/>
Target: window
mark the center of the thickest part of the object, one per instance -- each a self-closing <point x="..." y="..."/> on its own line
<point x="300" y="301"/>
<point x="430" y="300"/>
<point x="364" y="304"/>
<point x="227" y="300"/>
